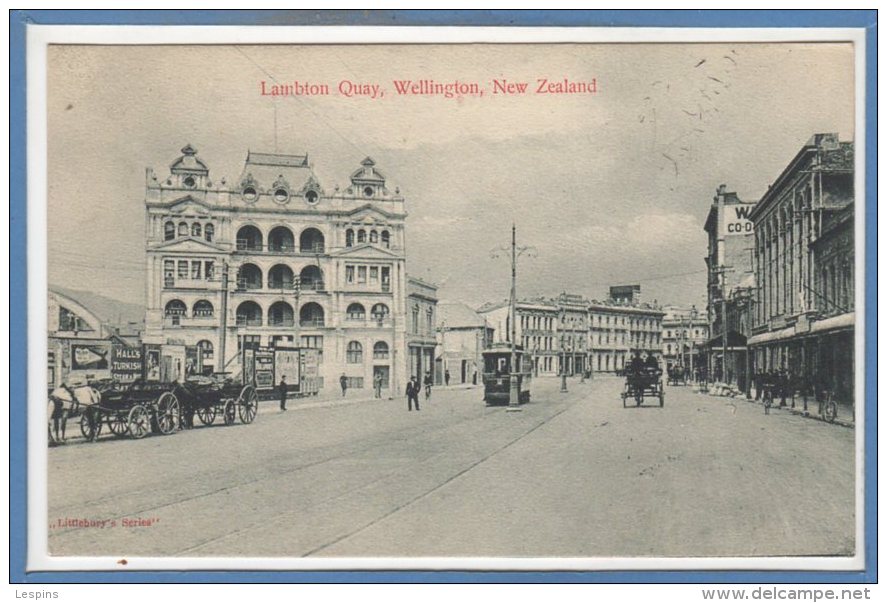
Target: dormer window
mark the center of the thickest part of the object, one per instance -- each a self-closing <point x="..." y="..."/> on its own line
<point x="311" y="197"/>
<point x="249" y="194"/>
<point x="189" y="182"/>
<point x="368" y="191"/>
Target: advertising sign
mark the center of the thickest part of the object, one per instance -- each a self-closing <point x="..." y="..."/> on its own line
<point x="127" y="364"/>
<point x="735" y="220"/>
<point x="152" y="362"/>
<point x="90" y="357"/>
<point x="286" y="364"/>
<point x="264" y="368"/>
<point x="249" y="366"/>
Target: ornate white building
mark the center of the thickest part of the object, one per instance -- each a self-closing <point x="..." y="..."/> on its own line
<point x="274" y="258"/>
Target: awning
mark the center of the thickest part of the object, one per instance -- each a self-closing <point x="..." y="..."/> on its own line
<point x="734" y="340"/>
<point x="833" y="323"/>
<point x="842" y="321"/>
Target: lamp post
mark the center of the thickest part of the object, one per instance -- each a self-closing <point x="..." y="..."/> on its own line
<point x="563" y="339"/>
<point x="693" y="314"/>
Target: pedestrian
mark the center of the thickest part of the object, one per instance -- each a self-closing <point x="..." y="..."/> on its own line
<point x="343" y="381"/>
<point x="447" y="377"/>
<point x="474" y="377"/>
<point x="428" y="383"/>
<point x="377" y="385"/>
<point x="283" y="393"/>
<point x="412" y="393"/>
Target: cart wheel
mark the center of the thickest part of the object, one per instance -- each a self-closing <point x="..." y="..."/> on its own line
<point x="229" y="413"/>
<point x="139" y="421"/>
<point x="90" y="425"/>
<point x="118" y="424"/>
<point x="207" y="415"/>
<point x="248" y="404"/>
<point x="167" y="413"/>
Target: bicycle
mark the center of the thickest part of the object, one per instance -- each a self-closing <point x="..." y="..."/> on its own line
<point x="828" y="408"/>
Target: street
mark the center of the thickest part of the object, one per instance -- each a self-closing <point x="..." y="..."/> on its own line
<point x="573" y="474"/>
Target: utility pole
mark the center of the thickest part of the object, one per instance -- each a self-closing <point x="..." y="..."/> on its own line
<point x="223" y="329"/>
<point x="515" y="252"/>
<point x="514" y="392"/>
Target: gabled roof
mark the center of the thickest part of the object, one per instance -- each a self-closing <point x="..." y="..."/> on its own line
<point x="188" y="162"/>
<point x="455" y="315"/>
<point x="364" y="250"/>
<point x="189" y="244"/>
<point x="110" y="312"/>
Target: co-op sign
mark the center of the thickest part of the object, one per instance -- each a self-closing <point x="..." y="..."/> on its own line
<point x="736" y="220"/>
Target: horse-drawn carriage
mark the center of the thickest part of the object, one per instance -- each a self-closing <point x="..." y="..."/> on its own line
<point x="142" y="407"/>
<point x="677" y="375"/>
<point x="643" y="382"/>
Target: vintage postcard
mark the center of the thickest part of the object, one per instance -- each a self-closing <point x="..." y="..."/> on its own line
<point x="409" y="298"/>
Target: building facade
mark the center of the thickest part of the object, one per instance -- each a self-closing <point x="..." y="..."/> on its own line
<point x="729" y="263"/>
<point x="421" y="328"/>
<point x="274" y="258"/>
<point x="536" y="330"/>
<point x="462" y="336"/>
<point x="684" y="333"/>
<point x="803" y="318"/>
<point x="616" y="330"/>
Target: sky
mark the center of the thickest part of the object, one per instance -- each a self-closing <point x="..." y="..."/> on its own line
<point x="609" y="188"/>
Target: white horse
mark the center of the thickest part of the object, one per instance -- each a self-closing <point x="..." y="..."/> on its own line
<point x="66" y="401"/>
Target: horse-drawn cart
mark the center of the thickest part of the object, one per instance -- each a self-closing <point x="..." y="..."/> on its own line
<point x="143" y="407"/>
<point x="641" y="383"/>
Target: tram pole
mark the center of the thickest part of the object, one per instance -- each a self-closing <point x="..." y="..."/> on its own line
<point x="514" y="391"/>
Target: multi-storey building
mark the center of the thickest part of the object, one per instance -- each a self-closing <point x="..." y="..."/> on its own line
<point x="536" y="330"/>
<point x="421" y="327"/>
<point x="274" y="258"/>
<point x="462" y="336"/>
<point x="616" y="330"/>
<point x="729" y="262"/>
<point x="684" y="333"/>
<point x="804" y="257"/>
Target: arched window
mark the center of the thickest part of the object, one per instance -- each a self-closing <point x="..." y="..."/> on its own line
<point x="356" y="312"/>
<point x="311" y="278"/>
<point x="311" y="315"/>
<point x="249" y="238"/>
<point x="374" y="237"/>
<point x="183" y="229"/>
<point x="206" y="349"/>
<point x="175" y="307"/>
<point x="281" y="239"/>
<point x="361" y="236"/>
<point x="349" y="238"/>
<point x="380" y="351"/>
<point x="249" y="276"/>
<point x="354" y="355"/>
<point x="209" y="232"/>
<point x="311" y="241"/>
<point x="249" y="314"/>
<point x="380" y="312"/>
<point x="196" y="230"/>
<point x="386" y="239"/>
<point x="202" y="309"/>
<point x="169" y="231"/>
<point x="280" y="314"/>
<point x="280" y="277"/>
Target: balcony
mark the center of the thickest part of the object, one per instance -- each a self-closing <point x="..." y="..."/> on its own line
<point x="312" y="323"/>
<point x="281" y="322"/>
<point x="171" y="282"/>
<point x="244" y="321"/>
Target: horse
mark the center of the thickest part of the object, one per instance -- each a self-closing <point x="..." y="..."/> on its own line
<point x="66" y="401"/>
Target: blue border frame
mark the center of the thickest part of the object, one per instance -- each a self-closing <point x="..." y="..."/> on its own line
<point x="18" y="21"/>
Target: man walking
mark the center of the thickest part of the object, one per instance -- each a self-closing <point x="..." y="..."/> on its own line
<point x="343" y="381"/>
<point x="447" y="377"/>
<point x="377" y="385"/>
<point x="428" y="383"/>
<point x="412" y="393"/>
<point x="283" y="393"/>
